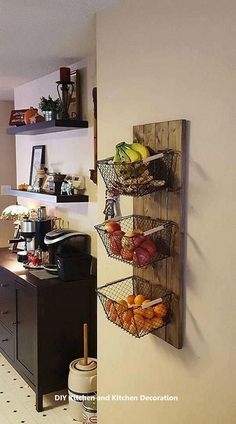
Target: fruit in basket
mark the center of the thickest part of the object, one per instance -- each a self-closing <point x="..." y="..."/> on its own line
<point x="150" y="246"/>
<point x="143" y="150"/>
<point x="148" y="313"/>
<point x="127" y="317"/>
<point x="111" y="226"/>
<point x="157" y="322"/>
<point x="115" y="241"/>
<point x="108" y="304"/>
<point x="132" y="154"/>
<point x="160" y="310"/>
<point x="115" y="246"/>
<point x="123" y="303"/>
<point x="133" y="328"/>
<point x="139" y="321"/>
<point x="147" y="325"/>
<point x="132" y="239"/>
<point x="113" y="313"/>
<point x="116" y="158"/>
<point x="130" y="299"/>
<point x="134" y="151"/>
<point x="138" y="312"/>
<point x="123" y="155"/>
<point x="139" y="299"/>
<point x="141" y="257"/>
<point x="126" y="254"/>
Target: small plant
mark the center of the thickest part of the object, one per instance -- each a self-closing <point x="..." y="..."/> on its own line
<point x="49" y="104"/>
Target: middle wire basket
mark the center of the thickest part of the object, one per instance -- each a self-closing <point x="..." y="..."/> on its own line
<point x="137" y="240"/>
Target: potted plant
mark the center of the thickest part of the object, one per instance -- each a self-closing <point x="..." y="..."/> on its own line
<point x="50" y="107"/>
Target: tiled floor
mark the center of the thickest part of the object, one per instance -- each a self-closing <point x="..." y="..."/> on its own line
<point x="17" y="401"/>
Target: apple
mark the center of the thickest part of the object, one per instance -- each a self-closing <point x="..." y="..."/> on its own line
<point x="112" y="226"/>
<point x="115" y="241"/>
<point x="150" y="246"/>
<point x="126" y="254"/>
<point x="141" y="257"/>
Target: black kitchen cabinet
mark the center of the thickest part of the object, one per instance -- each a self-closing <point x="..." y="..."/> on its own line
<point x="41" y="324"/>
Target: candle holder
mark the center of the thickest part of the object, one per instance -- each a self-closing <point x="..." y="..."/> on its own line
<point x="65" y="90"/>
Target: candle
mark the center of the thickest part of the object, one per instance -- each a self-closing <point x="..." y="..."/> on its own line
<point x="65" y="74"/>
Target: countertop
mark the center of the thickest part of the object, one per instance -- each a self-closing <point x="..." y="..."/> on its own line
<point x="9" y="261"/>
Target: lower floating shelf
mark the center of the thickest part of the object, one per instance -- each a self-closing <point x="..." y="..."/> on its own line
<point x="47" y="197"/>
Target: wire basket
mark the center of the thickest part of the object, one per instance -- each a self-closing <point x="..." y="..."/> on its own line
<point x="140" y="320"/>
<point x="140" y="177"/>
<point x="137" y="240"/>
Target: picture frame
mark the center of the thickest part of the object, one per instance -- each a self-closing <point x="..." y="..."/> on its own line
<point x="17" y="117"/>
<point x="75" y="104"/>
<point x="37" y="160"/>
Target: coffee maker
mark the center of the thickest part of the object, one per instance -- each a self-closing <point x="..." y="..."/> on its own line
<point x="68" y="253"/>
<point x="32" y="233"/>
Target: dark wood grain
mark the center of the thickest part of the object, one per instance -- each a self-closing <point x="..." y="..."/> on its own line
<point x="48" y="328"/>
<point x="167" y="205"/>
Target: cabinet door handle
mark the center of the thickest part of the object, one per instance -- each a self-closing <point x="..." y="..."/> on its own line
<point x="4" y="340"/>
<point x="4" y="312"/>
<point x="4" y="285"/>
<point x="14" y="322"/>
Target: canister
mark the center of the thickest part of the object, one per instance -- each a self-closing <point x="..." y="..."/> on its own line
<point x="82" y="384"/>
<point x="90" y="411"/>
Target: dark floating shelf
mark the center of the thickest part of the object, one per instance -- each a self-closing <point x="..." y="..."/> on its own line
<point x="47" y="197"/>
<point x="46" y="127"/>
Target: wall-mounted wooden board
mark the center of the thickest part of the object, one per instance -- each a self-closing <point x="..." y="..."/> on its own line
<point x="167" y="205"/>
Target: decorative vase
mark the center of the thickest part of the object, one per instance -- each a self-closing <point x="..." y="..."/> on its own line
<point x="49" y="115"/>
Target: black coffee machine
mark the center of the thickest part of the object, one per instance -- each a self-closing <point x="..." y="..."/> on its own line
<point x="69" y="253"/>
<point x="32" y="231"/>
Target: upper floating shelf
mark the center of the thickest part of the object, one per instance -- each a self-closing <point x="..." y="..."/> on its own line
<point x="47" y="197"/>
<point x="46" y="127"/>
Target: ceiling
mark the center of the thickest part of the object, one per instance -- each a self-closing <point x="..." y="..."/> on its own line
<point x="39" y="36"/>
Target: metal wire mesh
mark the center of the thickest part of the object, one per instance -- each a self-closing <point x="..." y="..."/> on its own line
<point x="136" y="321"/>
<point x="138" y="178"/>
<point x="124" y="248"/>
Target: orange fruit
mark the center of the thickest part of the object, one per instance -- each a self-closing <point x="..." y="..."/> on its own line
<point x="133" y="329"/>
<point x="139" y="312"/>
<point x="127" y="317"/>
<point x="139" y="321"/>
<point x="139" y="299"/>
<point x="108" y="304"/>
<point x="113" y="315"/>
<point x="123" y="302"/>
<point x="148" y="313"/>
<point x="126" y="326"/>
<point x="146" y="301"/>
<point x="130" y="299"/>
<point x="157" y="322"/>
<point x="147" y="325"/>
<point x="160" y="310"/>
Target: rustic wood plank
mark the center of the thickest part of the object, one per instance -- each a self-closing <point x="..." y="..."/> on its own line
<point x="167" y="205"/>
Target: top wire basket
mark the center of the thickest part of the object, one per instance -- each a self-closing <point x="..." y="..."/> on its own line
<point x="140" y="177"/>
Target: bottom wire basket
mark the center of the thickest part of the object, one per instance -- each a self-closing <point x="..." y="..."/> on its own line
<point x="124" y="304"/>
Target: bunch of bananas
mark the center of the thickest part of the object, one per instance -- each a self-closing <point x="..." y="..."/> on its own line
<point x="130" y="152"/>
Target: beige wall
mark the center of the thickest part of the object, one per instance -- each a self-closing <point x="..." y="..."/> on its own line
<point x="66" y="152"/>
<point x="7" y="168"/>
<point x="159" y="61"/>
